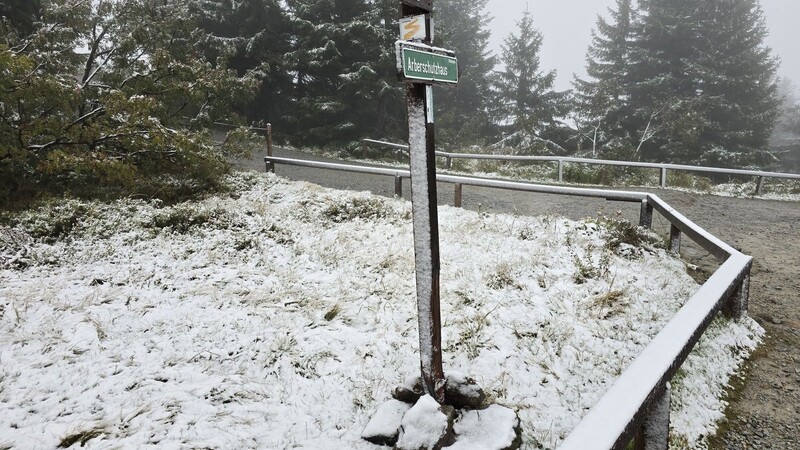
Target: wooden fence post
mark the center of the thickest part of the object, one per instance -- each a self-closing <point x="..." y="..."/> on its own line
<point x="270" y="165"/>
<point x="398" y="186"/>
<point x="646" y="215"/>
<point x="448" y="163"/>
<point x="663" y="179"/>
<point x="363" y="150"/>
<point x="457" y="200"/>
<point x="674" y="239"/>
<point x="759" y="185"/>
<point x="654" y="434"/>
<point x="737" y="305"/>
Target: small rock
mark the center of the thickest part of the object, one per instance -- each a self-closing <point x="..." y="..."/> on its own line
<point x="462" y="392"/>
<point x="777" y="321"/>
<point x="384" y="426"/>
<point x="410" y="391"/>
<point x="427" y="426"/>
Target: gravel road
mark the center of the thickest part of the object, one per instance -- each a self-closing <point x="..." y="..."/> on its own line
<point x="764" y="411"/>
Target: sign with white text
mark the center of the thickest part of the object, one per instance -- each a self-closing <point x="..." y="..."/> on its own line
<point x="422" y="65"/>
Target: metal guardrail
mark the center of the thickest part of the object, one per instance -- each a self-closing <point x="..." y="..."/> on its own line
<point x="561" y="160"/>
<point x="636" y="406"/>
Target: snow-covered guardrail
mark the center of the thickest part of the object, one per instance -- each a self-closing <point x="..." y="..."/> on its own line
<point x="636" y="407"/>
<point x="663" y="167"/>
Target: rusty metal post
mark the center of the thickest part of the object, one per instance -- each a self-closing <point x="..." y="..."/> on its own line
<point x="674" y="239"/>
<point x="646" y="215"/>
<point x="270" y="165"/>
<point x="654" y="434"/>
<point x="457" y="199"/>
<point x="422" y="151"/>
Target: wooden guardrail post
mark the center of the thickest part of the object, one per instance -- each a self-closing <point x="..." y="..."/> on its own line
<point x="674" y="239"/>
<point x="448" y="162"/>
<point x="654" y="434"/>
<point x="270" y="165"/>
<point x="736" y="307"/>
<point x="759" y="185"/>
<point x="560" y="170"/>
<point x="663" y="179"/>
<point x="457" y="199"/>
<point x="398" y="186"/>
<point x="363" y="150"/>
<point x="646" y="215"/>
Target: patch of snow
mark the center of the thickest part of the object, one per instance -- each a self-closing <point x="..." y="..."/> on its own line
<point x="491" y="428"/>
<point x="423" y="425"/>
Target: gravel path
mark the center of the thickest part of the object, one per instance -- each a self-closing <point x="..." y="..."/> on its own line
<point x="764" y="411"/>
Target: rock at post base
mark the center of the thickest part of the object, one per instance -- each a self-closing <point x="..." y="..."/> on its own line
<point x="410" y="391"/>
<point x="384" y="426"/>
<point x="462" y="392"/>
<point x="427" y="426"/>
<point x="494" y="428"/>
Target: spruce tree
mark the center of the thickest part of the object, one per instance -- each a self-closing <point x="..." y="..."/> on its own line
<point x="527" y="106"/>
<point x="462" y="115"/>
<point x="602" y="100"/>
<point x="253" y="35"/>
<point x="666" y="110"/>
<point x="21" y="14"/>
<point x="736" y="78"/>
<point x="344" y="77"/>
<point x="703" y="83"/>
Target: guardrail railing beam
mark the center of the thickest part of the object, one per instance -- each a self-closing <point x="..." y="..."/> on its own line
<point x="605" y="162"/>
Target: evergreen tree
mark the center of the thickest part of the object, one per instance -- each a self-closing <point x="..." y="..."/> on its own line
<point x="131" y="121"/>
<point x="253" y="35"/>
<point x="736" y="79"/>
<point x="663" y="92"/>
<point x="602" y="100"/>
<point x="462" y="115"/>
<point x="345" y="78"/>
<point x="702" y="83"/>
<point x="527" y="106"/>
<point x="21" y="14"/>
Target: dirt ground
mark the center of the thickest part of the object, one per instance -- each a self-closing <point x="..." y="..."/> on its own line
<point x="764" y="410"/>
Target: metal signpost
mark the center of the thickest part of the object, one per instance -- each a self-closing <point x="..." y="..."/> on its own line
<point x="420" y="66"/>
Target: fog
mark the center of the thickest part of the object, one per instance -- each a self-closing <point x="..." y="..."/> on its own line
<point x="567" y="26"/>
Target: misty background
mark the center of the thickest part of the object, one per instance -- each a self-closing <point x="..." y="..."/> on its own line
<point x="567" y="27"/>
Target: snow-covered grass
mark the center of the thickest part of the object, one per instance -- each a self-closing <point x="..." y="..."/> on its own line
<point x="281" y="316"/>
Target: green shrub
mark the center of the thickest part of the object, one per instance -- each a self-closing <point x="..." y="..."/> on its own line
<point x="365" y="208"/>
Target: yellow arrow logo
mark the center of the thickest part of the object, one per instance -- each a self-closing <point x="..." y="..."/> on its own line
<point x="411" y="29"/>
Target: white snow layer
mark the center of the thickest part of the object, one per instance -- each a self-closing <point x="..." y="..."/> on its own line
<point x="423" y="426"/>
<point x="285" y="313"/>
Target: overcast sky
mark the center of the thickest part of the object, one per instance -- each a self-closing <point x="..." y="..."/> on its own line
<point x="567" y="24"/>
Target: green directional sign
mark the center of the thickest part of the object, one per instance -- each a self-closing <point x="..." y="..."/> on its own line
<point x="429" y="66"/>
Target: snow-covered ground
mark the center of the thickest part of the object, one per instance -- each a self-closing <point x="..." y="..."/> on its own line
<point x="281" y="316"/>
